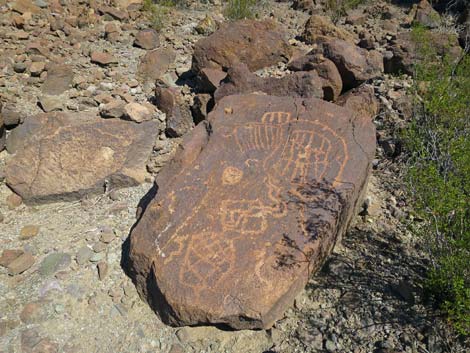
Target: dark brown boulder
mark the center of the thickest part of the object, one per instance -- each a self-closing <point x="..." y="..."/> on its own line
<point x="209" y="80"/>
<point x="257" y="44"/>
<point x="319" y="28"/>
<point x="354" y="64"/>
<point x="241" y="80"/>
<point x="178" y="114"/>
<point x="249" y="208"/>
<point x="325" y="68"/>
<point x="66" y="156"/>
<point x="147" y="39"/>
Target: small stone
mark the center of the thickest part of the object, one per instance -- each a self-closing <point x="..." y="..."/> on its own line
<point x="114" y="109"/>
<point x="19" y="67"/>
<point x="21" y="264"/>
<point x="33" y="312"/>
<point x="51" y="103"/>
<point x="46" y="345"/>
<point x="9" y="255"/>
<point x="99" y="247"/>
<point x="53" y="263"/>
<point x="14" y="201"/>
<point x="29" y="338"/>
<point x="102" y="58"/>
<point x="137" y="112"/>
<point x="102" y="269"/>
<point x="36" y="68"/>
<point x="97" y="257"/>
<point x="28" y="232"/>
<point x="147" y="39"/>
<point x="83" y="255"/>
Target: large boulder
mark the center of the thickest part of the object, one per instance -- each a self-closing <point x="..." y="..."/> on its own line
<point x="249" y="208"/>
<point x="257" y="44"/>
<point x="426" y="15"/>
<point x="298" y="84"/>
<point x="354" y="64"/>
<point x="66" y="156"/>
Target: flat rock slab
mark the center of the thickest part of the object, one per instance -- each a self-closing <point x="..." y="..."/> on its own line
<point x="66" y="156"/>
<point x="250" y="206"/>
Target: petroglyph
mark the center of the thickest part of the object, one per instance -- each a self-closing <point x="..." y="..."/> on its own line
<point x="220" y="224"/>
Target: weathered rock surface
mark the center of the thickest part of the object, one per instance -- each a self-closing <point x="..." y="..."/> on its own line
<point x="147" y="39"/>
<point x="319" y="28"/>
<point x="2" y="134"/>
<point x="155" y="63"/>
<point x="66" y="156"/>
<point x="59" y="79"/>
<point x="250" y="206"/>
<point x="298" y="84"/>
<point x="332" y="83"/>
<point x="354" y="64"/>
<point x="254" y="43"/>
<point x="178" y="114"/>
<point x="426" y="15"/>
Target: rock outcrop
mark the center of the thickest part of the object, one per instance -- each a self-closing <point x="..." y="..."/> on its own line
<point x="66" y="156"/>
<point x="250" y="206"/>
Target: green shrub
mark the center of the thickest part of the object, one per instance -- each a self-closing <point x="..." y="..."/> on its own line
<point x="438" y="142"/>
<point x="339" y="8"/>
<point x="240" y="9"/>
<point x="157" y="12"/>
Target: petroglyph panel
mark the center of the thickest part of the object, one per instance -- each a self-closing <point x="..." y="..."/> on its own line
<point x="254" y="214"/>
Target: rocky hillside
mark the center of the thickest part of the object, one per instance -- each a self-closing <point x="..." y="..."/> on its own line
<point x="133" y="135"/>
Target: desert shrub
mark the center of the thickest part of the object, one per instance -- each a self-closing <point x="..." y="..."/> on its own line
<point x="240" y="9"/>
<point x="157" y="12"/>
<point x="438" y="143"/>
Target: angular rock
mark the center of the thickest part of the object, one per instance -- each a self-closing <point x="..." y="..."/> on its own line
<point x="66" y="156"/>
<point x="319" y="28"/>
<point x="113" y="109"/>
<point x="155" y="63"/>
<point x="354" y="64"/>
<point x="361" y="101"/>
<point x="21" y="264"/>
<point x="178" y="115"/>
<point x="51" y="103"/>
<point x="147" y="39"/>
<point x="137" y="112"/>
<point x="203" y="104"/>
<point x="254" y="43"/>
<point x="326" y="69"/>
<point x="23" y="6"/>
<point x="114" y="13"/>
<point x="426" y="15"/>
<point x="250" y="206"/>
<point x="102" y="58"/>
<point x="241" y="80"/>
<point x="209" y="80"/>
<point x="53" y="263"/>
<point x="9" y="255"/>
<point x="11" y="117"/>
<point x="59" y="79"/>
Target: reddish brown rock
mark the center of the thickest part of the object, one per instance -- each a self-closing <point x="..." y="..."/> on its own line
<point x="2" y="134"/>
<point x="147" y="39"/>
<point x="241" y="80"/>
<point x="114" y="13"/>
<point x="319" y="28"/>
<point x="426" y="15"/>
<point x="178" y="114"/>
<point x="354" y="64"/>
<point x="209" y="80"/>
<point x="155" y="63"/>
<point x="332" y="83"/>
<point x="254" y="43"/>
<point x="21" y="264"/>
<point x="9" y="255"/>
<point x="102" y="58"/>
<point x="250" y="206"/>
<point x="66" y="156"/>
<point x="23" y="6"/>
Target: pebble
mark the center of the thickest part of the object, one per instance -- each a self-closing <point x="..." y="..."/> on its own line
<point x="102" y="270"/>
<point x="13" y="201"/>
<point x="83" y="255"/>
<point x="107" y="237"/>
<point x="97" y="257"/>
<point x="21" y="264"/>
<point x="28" y="232"/>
